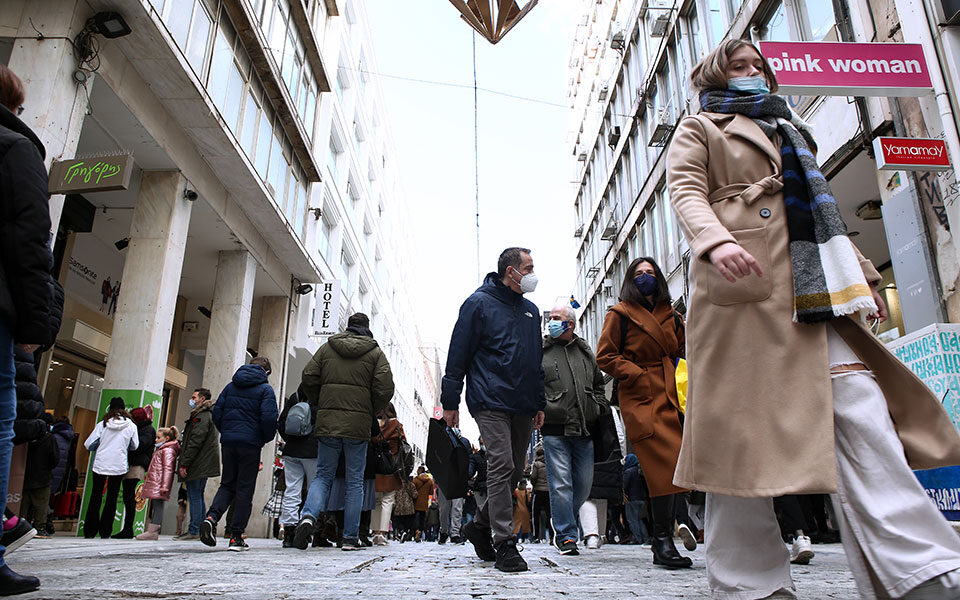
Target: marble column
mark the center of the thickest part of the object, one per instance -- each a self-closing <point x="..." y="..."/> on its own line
<point x="230" y="319"/>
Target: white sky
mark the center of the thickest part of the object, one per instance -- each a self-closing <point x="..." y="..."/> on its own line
<point x="526" y="198"/>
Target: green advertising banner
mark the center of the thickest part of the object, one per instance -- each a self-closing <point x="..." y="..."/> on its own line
<point x="132" y="399"/>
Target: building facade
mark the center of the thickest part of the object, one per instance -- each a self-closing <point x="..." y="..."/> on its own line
<point x="629" y="88"/>
<point x="257" y="159"/>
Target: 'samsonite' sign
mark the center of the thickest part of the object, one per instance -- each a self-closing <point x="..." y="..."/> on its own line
<point x="911" y="154"/>
<point x="848" y="68"/>
<point x="97" y="174"/>
<point x="326" y="317"/>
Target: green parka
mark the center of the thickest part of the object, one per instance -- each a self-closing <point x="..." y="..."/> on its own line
<point x="573" y="386"/>
<point x="200" y="450"/>
<point x="347" y="382"/>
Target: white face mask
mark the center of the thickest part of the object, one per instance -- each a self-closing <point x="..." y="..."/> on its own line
<point x="528" y="283"/>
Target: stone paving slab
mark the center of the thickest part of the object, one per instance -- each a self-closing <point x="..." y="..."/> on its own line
<point x="72" y="568"/>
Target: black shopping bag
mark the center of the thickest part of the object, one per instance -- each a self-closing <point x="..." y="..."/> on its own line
<point x="448" y="458"/>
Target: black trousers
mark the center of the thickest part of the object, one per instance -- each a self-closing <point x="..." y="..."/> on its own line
<point x="791" y="515"/>
<point x="94" y="522"/>
<point x="240" y="467"/>
<point x="541" y="515"/>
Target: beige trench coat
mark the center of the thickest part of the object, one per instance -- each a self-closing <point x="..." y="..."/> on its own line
<point x="759" y="418"/>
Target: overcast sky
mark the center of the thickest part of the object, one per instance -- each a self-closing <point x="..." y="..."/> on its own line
<point x="526" y="198"/>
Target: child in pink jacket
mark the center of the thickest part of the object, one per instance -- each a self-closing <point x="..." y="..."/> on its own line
<point x="159" y="479"/>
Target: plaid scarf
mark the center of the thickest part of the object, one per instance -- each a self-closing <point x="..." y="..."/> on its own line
<point x="827" y="279"/>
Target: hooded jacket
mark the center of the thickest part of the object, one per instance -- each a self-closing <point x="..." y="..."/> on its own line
<point x="573" y="385"/>
<point x="246" y="411"/>
<point x="117" y="437"/>
<point x="496" y="346"/>
<point x="25" y="257"/>
<point x="63" y="434"/>
<point x="538" y="472"/>
<point x="159" y="480"/>
<point x="200" y="452"/>
<point x="146" y="435"/>
<point x="28" y="425"/>
<point x="347" y="381"/>
<point x="42" y="458"/>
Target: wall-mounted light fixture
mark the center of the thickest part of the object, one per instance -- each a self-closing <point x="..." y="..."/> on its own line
<point x="121" y="244"/>
<point x="203" y="310"/>
<point x="303" y="289"/>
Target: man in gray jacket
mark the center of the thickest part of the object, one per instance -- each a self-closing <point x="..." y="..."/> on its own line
<point x="573" y="386"/>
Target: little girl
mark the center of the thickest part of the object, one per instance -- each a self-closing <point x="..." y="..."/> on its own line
<point x="159" y="479"/>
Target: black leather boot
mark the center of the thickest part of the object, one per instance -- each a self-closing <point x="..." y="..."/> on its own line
<point x="12" y="583"/>
<point x="664" y="552"/>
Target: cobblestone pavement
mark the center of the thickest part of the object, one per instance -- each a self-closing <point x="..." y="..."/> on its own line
<point x="75" y="568"/>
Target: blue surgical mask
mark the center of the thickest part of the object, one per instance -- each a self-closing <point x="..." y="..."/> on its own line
<point x="557" y="328"/>
<point x="755" y="84"/>
<point x="646" y="283"/>
<point x="192" y="402"/>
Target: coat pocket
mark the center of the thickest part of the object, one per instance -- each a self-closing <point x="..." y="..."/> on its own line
<point x="751" y="288"/>
<point x="637" y="417"/>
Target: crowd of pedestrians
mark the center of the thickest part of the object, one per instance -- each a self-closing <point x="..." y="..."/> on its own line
<point x="737" y="468"/>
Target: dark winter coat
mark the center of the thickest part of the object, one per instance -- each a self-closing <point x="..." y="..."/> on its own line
<point x="573" y="386"/>
<point x="147" y="436"/>
<point x="28" y="425"/>
<point x="496" y="346"/>
<point x="347" y="381"/>
<point x="42" y="458"/>
<point x="63" y="434"/>
<point x="478" y="470"/>
<point x="295" y="446"/>
<point x="607" y="468"/>
<point x="634" y="485"/>
<point x="200" y="450"/>
<point x="246" y="411"/>
<point x="25" y="257"/>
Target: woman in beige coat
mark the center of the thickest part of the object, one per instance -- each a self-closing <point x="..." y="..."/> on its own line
<point x="788" y="392"/>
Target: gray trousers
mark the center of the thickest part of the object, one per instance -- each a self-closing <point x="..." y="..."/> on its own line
<point x="506" y="437"/>
<point x="297" y="472"/>
<point x="451" y="514"/>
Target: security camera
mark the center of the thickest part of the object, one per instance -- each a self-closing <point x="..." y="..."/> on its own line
<point x="190" y="195"/>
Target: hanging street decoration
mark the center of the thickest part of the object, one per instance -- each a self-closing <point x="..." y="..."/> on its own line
<point x="492" y="18"/>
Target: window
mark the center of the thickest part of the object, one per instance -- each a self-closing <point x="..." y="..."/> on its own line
<point x="816" y="20"/>
<point x="777" y="28"/>
<point x="199" y="34"/>
<point x="717" y="21"/>
<point x="248" y="132"/>
<point x="693" y="33"/>
<point x="325" y="237"/>
<point x="333" y="156"/>
<point x="346" y="272"/>
<point x="262" y="150"/>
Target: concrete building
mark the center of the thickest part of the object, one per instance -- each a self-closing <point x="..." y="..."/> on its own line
<point x="255" y="156"/>
<point x="629" y="87"/>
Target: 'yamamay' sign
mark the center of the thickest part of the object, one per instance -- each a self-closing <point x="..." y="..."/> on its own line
<point x="97" y="174"/>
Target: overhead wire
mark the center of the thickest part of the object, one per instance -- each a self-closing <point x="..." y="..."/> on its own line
<point x="476" y="150"/>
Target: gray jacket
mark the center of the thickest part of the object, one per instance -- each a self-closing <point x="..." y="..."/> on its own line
<point x="573" y="386"/>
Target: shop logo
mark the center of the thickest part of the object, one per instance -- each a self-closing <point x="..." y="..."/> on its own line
<point x="100" y="170"/>
<point x="91" y="174"/>
<point x="911" y="154"/>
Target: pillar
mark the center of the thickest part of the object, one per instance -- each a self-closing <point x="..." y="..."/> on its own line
<point x="274" y="345"/>
<point x="56" y="104"/>
<point x="143" y="322"/>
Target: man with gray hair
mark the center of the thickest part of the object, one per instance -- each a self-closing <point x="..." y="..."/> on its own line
<point x="575" y="402"/>
<point x="496" y="346"/>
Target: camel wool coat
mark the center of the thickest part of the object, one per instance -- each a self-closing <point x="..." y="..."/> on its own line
<point x="647" y="391"/>
<point x="759" y="418"/>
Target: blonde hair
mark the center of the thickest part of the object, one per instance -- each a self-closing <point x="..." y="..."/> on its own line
<point x="711" y="72"/>
<point x="170" y="433"/>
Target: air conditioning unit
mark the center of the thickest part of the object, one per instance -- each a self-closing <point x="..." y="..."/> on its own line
<point x="613" y="138"/>
<point x="610" y="227"/>
<point x="578" y="232"/>
<point x="604" y="89"/>
<point x="582" y="157"/>
<point x="660" y="24"/>
<point x="662" y="131"/>
<point x="617" y="41"/>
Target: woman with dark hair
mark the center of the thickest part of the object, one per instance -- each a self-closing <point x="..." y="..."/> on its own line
<point x="386" y="486"/>
<point x="641" y="341"/>
<point x="788" y="392"/>
<point x="112" y="439"/>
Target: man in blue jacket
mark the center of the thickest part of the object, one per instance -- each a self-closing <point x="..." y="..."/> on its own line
<point x="496" y="345"/>
<point x="246" y="415"/>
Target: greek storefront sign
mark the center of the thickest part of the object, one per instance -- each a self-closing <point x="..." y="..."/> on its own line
<point x="848" y="68"/>
<point x="326" y="312"/>
<point x="910" y="154"/>
<point x="96" y="174"/>
<point x="933" y="354"/>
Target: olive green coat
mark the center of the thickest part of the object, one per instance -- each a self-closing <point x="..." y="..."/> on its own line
<point x="573" y="386"/>
<point x="347" y="382"/>
<point x="200" y="449"/>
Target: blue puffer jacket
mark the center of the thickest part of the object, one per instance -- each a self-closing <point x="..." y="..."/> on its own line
<point x="246" y="411"/>
<point x="496" y="344"/>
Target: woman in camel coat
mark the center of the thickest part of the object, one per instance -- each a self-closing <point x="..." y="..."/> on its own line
<point x="778" y="404"/>
<point x="642" y="339"/>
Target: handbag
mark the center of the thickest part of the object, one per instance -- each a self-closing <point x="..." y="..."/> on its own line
<point x="383" y="460"/>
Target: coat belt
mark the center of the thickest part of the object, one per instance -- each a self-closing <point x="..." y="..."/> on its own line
<point x="749" y="192"/>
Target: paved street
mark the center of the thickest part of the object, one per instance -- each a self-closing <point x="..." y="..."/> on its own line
<point x="72" y="568"/>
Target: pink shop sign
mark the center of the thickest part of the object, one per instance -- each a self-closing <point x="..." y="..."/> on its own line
<point x="848" y="68"/>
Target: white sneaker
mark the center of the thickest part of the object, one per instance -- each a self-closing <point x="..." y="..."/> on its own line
<point x="801" y="552"/>
<point x="593" y="542"/>
<point x="380" y="540"/>
<point x="689" y="540"/>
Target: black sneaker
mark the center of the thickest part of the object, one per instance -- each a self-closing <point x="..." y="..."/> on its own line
<point x="508" y="557"/>
<point x="289" y="531"/>
<point x="351" y="544"/>
<point x="208" y="532"/>
<point x="568" y="548"/>
<point x="480" y="538"/>
<point x="455" y="539"/>
<point x="304" y="532"/>
<point x="442" y="538"/>
<point x="237" y="544"/>
<point x="20" y="534"/>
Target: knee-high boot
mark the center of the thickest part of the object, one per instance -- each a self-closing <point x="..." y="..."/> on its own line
<point x="129" y="487"/>
<point x="664" y="552"/>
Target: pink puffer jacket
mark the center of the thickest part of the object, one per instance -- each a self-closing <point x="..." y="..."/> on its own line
<point x="159" y="480"/>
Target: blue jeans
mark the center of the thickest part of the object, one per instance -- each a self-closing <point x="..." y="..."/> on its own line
<point x="8" y="413"/>
<point x="198" y="508"/>
<point x="570" y="476"/>
<point x="354" y="453"/>
<point x="634" y="508"/>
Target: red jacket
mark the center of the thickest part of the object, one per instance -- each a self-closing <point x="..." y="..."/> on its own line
<point x="159" y="479"/>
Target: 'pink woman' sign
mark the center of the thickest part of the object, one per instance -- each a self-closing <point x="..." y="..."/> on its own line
<point x="848" y="69"/>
